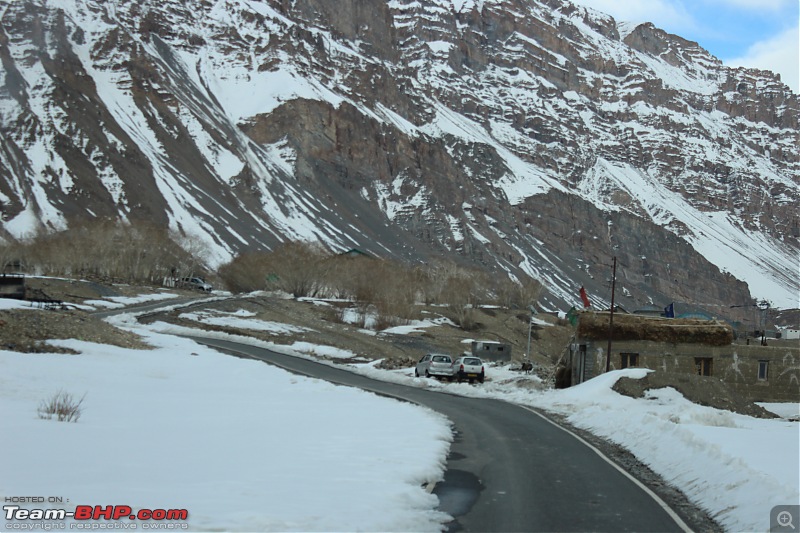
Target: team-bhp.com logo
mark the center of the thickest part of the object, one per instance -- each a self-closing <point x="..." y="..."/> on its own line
<point x="88" y="517"/>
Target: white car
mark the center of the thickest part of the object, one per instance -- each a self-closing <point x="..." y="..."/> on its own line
<point x="196" y="283"/>
<point x="435" y="365"/>
<point x="470" y="368"/>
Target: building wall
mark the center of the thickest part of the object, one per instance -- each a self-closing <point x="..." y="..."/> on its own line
<point x="491" y="350"/>
<point x="737" y="365"/>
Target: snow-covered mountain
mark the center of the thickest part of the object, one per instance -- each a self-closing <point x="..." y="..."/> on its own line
<point x="529" y="136"/>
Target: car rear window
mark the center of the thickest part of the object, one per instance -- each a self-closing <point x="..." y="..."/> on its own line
<point x="472" y="361"/>
<point x="441" y="359"/>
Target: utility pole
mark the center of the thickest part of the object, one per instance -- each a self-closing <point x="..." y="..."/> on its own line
<point x="611" y="316"/>
<point x="530" y="327"/>
<point x="764" y="306"/>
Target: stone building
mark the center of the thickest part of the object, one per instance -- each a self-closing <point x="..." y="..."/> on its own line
<point x="686" y="346"/>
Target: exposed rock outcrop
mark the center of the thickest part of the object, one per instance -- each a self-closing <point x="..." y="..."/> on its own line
<point x="532" y="137"/>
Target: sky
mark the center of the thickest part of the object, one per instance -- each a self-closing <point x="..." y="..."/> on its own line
<point x="244" y="446"/>
<point x="749" y="33"/>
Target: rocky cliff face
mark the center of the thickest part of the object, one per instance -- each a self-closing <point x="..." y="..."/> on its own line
<point x="528" y="136"/>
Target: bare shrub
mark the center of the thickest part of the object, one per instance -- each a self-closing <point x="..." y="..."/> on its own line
<point x="9" y="256"/>
<point x="63" y="406"/>
<point x="189" y="255"/>
<point x="513" y="294"/>
<point x="436" y="276"/>
<point x="344" y="275"/>
<point x="384" y="321"/>
<point x="391" y="289"/>
<point x="461" y="289"/>
<point x="334" y="314"/>
<point x="396" y="294"/>
<point x="247" y="272"/>
<point x="385" y="293"/>
<point x="295" y="267"/>
<point x="459" y="294"/>
<point x="109" y="250"/>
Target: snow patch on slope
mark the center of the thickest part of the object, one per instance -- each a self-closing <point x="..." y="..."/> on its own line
<point x="748" y="255"/>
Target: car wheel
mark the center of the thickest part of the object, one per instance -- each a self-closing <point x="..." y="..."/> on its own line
<point x="480" y="378"/>
<point x="416" y="373"/>
<point x="427" y="374"/>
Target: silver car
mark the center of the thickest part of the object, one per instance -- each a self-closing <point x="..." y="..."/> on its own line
<point x="196" y="283"/>
<point x="469" y="368"/>
<point x="435" y="365"/>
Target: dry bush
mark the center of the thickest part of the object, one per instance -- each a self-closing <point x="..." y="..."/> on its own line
<point x="247" y="272"/>
<point x="195" y="254"/>
<point x="298" y="268"/>
<point x="440" y="278"/>
<point x="380" y="289"/>
<point x="334" y="314"/>
<point x="108" y="250"/>
<point x="344" y="276"/>
<point x="397" y="297"/>
<point x="352" y="278"/>
<point x="63" y="406"/>
<point x="436" y="276"/>
<point x="10" y="256"/>
<point x="513" y="294"/>
<point x="460" y="294"/>
<point x="384" y="290"/>
<point x="461" y="289"/>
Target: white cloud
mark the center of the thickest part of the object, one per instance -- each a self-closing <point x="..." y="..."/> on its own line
<point x="780" y="54"/>
<point x="756" y="5"/>
<point x="667" y="14"/>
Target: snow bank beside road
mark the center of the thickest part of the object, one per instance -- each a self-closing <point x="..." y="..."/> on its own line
<point x="735" y="466"/>
<point x="241" y="445"/>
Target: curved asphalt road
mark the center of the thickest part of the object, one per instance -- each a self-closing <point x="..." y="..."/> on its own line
<point x="509" y="468"/>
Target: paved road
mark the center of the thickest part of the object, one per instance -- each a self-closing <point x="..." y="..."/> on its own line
<point x="509" y="468"/>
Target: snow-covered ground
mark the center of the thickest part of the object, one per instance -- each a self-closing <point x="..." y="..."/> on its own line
<point x="239" y="444"/>
<point x="115" y="302"/>
<point x="247" y="447"/>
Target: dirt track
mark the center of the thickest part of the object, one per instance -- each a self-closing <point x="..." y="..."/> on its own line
<point x="322" y="326"/>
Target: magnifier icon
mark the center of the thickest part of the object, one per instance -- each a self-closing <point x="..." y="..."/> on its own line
<point x="785" y="519"/>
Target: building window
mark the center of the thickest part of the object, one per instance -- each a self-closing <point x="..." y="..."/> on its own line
<point x="629" y="360"/>
<point x="763" y="370"/>
<point x="703" y="365"/>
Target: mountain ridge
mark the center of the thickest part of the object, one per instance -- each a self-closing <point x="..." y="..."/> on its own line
<point x="516" y="135"/>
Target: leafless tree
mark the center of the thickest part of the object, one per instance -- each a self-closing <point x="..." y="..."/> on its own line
<point x="107" y="249"/>
<point x="513" y="294"/>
